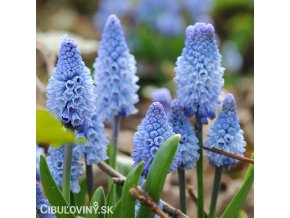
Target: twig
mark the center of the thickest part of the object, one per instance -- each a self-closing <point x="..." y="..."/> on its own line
<point x="120" y="179"/>
<point x="40" y="85"/>
<point x="244" y="159"/>
<point x="194" y="199"/>
<point x="146" y="200"/>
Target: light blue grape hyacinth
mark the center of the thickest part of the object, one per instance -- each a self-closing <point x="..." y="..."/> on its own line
<point x="95" y="148"/>
<point x="188" y="146"/>
<point x="115" y="74"/>
<point x="162" y="96"/>
<point x="70" y="90"/>
<point x="55" y="163"/>
<point x="42" y="204"/>
<point x="151" y="133"/>
<point x="199" y="74"/>
<point x="226" y="135"/>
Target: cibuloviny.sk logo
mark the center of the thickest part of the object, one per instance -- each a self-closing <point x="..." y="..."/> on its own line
<point x="94" y="209"/>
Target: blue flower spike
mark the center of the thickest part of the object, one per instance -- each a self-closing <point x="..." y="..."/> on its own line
<point x="162" y="96"/>
<point x="95" y="148"/>
<point x="115" y="74"/>
<point x="188" y="146"/>
<point x="151" y="133"/>
<point x="70" y="90"/>
<point x="199" y="74"/>
<point x="226" y="135"/>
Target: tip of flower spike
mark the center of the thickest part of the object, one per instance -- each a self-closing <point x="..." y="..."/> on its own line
<point x="156" y="106"/>
<point x="112" y="20"/>
<point x="199" y="29"/>
<point x="229" y="101"/>
<point x="65" y="39"/>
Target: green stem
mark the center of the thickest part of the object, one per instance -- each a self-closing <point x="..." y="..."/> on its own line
<point x="215" y="190"/>
<point x="67" y="172"/>
<point x="90" y="179"/>
<point x="115" y="133"/>
<point x="182" y="193"/>
<point x="199" y="169"/>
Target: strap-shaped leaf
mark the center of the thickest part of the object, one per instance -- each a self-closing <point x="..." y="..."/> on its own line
<point x="117" y="210"/>
<point x="111" y="198"/>
<point x="127" y="200"/>
<point x="239" y="199"/>
<point x="52" y="191"/>
<point x="97" y="199"/>
<point x="158" y="172"/>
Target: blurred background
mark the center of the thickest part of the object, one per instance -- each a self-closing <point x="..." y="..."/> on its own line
<point x="154" y="31"/>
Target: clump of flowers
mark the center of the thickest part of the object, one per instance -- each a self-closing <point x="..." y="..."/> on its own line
<point x="226" y="135"/>
<point x="199" y="74"/>
<point x="152" y="132"/>
<point x="188" y="146"/>
<point x="115" y="70"/>
<point x="56" y="162"/>
<point x="162" y="96"/>
<point x="70" y="90"/>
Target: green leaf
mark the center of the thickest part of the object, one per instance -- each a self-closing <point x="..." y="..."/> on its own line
<point x="117" y="210"/>
<point x="158" y="172"/>
<point x="239" y="199"/>
<point x="111" y="198"/>
<point x="50" y="131"/>
<point x="80" y="197"/>
<point x="127" y="200"/>
<point x="99" y="199"/>
<point x="51" y="190"/>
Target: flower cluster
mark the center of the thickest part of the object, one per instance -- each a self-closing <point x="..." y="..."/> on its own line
<point x="226" y="135"/>
<point x="188" y="146"/>
<point x="95" y="148"/>
<point x="162" y="96"/>
<point x="70" y="90"/>
<point x="56" y="162"/>
<point x="115" y="74"/>
<point x="165" y="16"/>
<point x="198" y="72"/>
<point x="40" y="200"/>
<point x="152" y="132"/>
